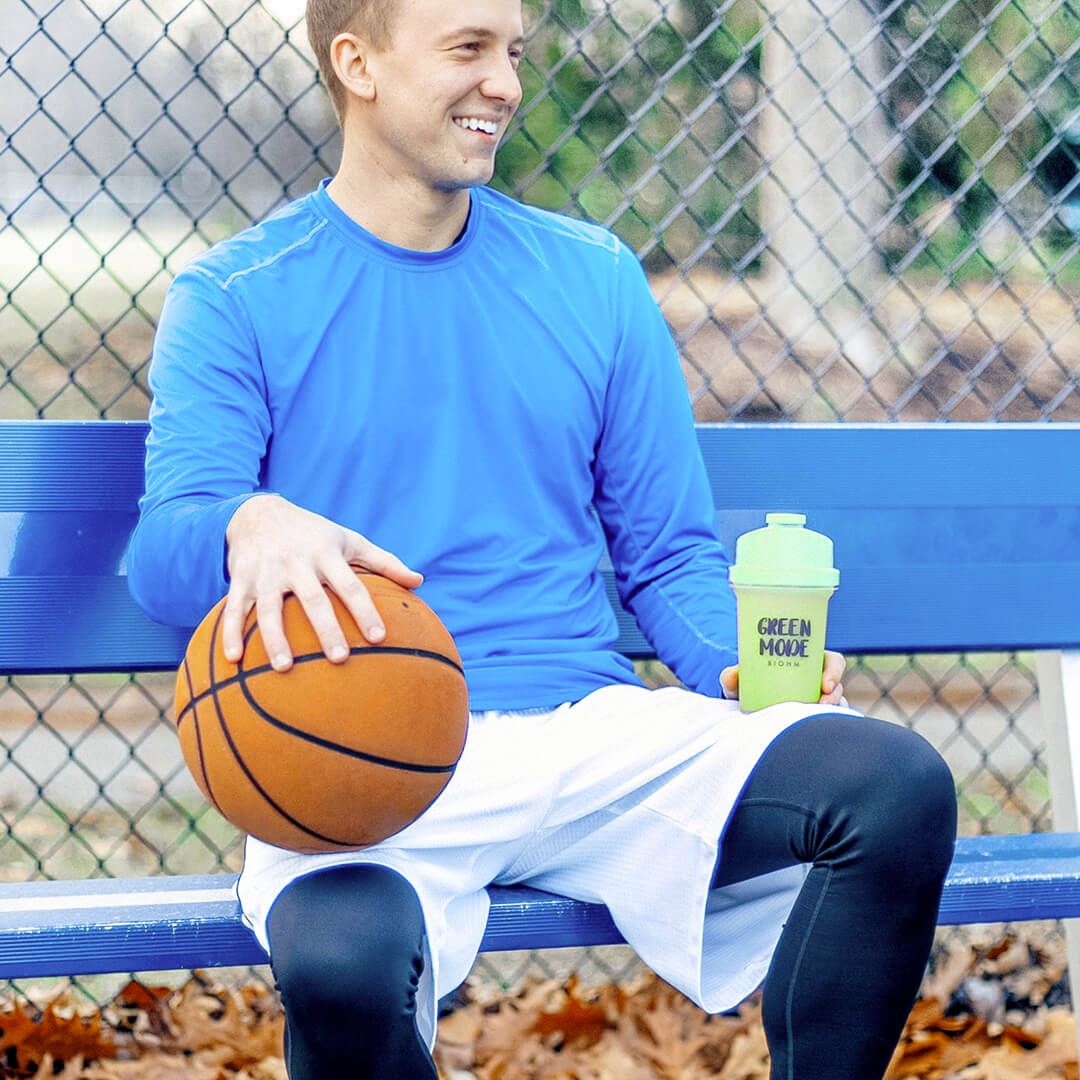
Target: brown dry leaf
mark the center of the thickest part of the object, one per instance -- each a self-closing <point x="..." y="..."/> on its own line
<point x="918" y="1057"/>
<point x="997" y="949"/>
<point x="749" y="1057"/>
<point x="530" y="1059"/>
<point x="506" y="1023"/>
<point x="210" y="1019"/>
<point x="613" y="1058"/>
<point x="455" y="1049"/>
<point x="926" y="1013"/>
<point x="57" y="1032"/>
<point x="1049" y="1059"/>
<point x="942" y="984"/>
<point x="136" y="995"/>
<point x="723" y="1031"/>
<point x="271" y="1068"/>
<point x="142" y="1009"/>
<point x="579" y="1022"/>
<point x="965" y="1048"/>
<point x="674" y="1033"/>
<point x="934" y="1045"/>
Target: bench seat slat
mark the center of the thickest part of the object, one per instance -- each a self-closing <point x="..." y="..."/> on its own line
<point x="933" y="568"/>
<point x="90" y="623"/>
<point x="169" y="923"/>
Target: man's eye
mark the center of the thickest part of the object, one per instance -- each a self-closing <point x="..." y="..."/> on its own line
<point x="472" y="46"/>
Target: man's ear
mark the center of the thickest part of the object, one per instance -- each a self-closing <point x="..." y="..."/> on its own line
<point x="349" y="55"/>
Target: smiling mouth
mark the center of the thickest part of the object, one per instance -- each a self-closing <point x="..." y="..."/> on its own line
<point x="472" y="123"/>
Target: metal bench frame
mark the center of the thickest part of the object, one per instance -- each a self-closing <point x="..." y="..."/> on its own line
<point x="960" y="538"/>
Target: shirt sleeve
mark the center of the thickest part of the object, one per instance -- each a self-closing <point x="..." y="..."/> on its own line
<point x="653" y="497"/>
<point x="209" y="429"/>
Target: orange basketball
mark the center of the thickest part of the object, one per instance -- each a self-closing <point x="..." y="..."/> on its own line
<point x="325" y="757"/>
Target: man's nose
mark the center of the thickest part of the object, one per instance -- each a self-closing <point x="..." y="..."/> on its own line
<point x="502" y="82"/>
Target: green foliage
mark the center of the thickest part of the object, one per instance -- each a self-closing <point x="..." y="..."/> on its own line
<point x="624" y="112"/>
<point x="644" y="117"/>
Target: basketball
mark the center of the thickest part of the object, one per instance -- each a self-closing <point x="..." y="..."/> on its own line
<point x="325" y="757"/>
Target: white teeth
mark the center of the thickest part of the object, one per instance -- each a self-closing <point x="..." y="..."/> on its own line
<point x="472" y="124"/>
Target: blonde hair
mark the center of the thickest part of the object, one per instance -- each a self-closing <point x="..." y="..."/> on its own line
<point x="369" y="19"/>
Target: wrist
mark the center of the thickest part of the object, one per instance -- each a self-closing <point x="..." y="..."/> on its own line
<point x="243" y="512"/>
<point x="234" y="527"/>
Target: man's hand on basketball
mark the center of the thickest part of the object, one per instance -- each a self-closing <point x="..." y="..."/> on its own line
<point x="832" y="689"/>
<point x="275" y="548"/>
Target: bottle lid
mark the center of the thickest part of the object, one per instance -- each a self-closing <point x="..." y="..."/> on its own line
<point x="784" y="554"/>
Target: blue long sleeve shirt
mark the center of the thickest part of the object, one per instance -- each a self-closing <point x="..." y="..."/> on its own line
<point x="493" y="414"/>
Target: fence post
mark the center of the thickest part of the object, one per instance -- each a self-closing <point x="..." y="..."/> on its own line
<point x="1059" y="700"/>
<point x="823" y="136"/>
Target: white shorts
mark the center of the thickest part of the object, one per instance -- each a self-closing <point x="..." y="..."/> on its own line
<point x="620" y="799"/>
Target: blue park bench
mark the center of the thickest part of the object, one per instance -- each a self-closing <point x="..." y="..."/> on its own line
<point x="949" y="538"/>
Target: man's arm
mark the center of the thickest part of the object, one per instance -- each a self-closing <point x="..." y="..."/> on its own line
<point x="206" y="525"/>
<point x="653" y="497"/>
<point x="209" y="428"/>
<point x="654" y="500"/>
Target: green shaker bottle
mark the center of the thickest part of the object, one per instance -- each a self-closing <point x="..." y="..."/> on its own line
<point x="783" y="577"/>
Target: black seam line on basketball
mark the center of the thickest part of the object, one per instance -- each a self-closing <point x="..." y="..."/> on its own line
<point x="262" y="791"/>
<point x="198" y="730"/>
<point x="217" y="704"/>
<point x="243" y="674"/>
<point x="326" y="744"/>
<point x="240" y="677"/>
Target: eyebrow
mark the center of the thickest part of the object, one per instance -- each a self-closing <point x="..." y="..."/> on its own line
<point x="477" y="32"/>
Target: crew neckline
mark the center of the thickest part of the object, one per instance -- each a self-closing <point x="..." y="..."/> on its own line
<point x="359" y="237"/>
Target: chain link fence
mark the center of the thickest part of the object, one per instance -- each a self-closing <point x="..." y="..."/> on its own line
<point x="848" y="211"/>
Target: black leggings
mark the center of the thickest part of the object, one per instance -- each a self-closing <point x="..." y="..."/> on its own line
<point x="870" y="805"/>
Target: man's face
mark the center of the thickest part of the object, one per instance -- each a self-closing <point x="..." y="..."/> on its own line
<point x="445" y="90"/>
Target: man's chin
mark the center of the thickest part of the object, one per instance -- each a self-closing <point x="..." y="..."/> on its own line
<point x="478" y="177"/>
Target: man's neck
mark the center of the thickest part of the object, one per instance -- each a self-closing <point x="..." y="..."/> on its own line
<point x="406" y="214"/>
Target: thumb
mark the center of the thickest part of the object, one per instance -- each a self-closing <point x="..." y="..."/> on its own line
<point x="729" y="681"/>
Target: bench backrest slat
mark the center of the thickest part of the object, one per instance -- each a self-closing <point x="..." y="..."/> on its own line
<point x="948" y="537"/>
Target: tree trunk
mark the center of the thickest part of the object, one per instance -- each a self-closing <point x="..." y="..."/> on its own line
<point x="824" y="138"/>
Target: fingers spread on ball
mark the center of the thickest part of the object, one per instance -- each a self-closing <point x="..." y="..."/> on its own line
<point x="237" y="605"/>
<point x="268" y="612"/>
<point x="320" y="614"/>
<point x="355" y="597"/>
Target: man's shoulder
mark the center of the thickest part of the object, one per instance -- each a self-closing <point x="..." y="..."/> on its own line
<point x="550" y="228"/>
<point x="289" y="230"/>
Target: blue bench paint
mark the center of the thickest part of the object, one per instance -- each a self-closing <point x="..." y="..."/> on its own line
<point x="948" y="537"/>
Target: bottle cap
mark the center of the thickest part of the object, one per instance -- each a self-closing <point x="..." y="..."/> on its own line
<point x="784" y="554"/>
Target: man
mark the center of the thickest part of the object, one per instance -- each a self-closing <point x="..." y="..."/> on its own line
<point x="404" y="369"/>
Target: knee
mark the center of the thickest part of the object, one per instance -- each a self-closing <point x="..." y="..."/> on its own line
<point x="365" y="980"/>
<point x="882" y="785"/>
<point x="920" y="783"/>
<point x="908" y="795"/>
<point x="346" y="953"/>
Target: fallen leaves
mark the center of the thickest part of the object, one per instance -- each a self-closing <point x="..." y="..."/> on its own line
<point x="553" y="1031"/>
<point x="199" y="1032"/>
<point x="559" y="1030"/>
